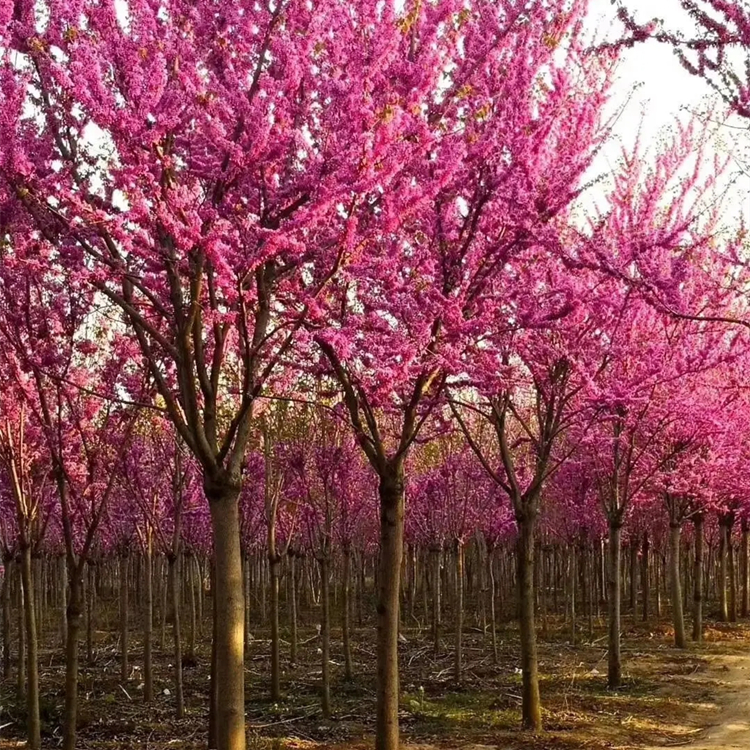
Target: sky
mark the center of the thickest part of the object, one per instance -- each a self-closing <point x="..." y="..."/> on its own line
<point x="660" y="90"/>
<point x="664" y="86"/>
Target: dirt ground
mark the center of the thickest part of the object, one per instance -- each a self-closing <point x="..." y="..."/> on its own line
<point x="699" y="697"/>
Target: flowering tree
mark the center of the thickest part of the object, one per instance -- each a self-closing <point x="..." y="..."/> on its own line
<point x="507" y="125"/>
<point x="204" y="170"/>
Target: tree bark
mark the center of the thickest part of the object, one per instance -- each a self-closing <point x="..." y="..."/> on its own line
<point x="33" y="725"/>
<point x="722" y="582"/>
<point x="572" y="573"/>
<point x="391" y="493"/>
<point x="436" y="603"/>
<point x="732" y="569"/>
<point x="124" y="617"/>
<point x="148" y="624"/>
<point x="274" y="564"/>
<point x="73" y="629"/>
<point x="458" y="653"/>
<point x="6" y="616"/>
<point x="293" y="607"/>
<point x="614" y="594"/>
<point x="213" y="692"/>
<point x="230" y="618"/>
<point x="21" y="671"/>
<point x="678" y="619"/>
<point x="493" y="614"/>
<point x="191" y="563"/>
<point x="531" y="708"/>
<point x="744" y="605"/>
<point x="325" y="633"/>
<point x="645" y="583"/>
<point x="90" y="595"/>
<point x="346" y="615"/>
<point x="698" y="579"/>
<point x="174" y="559"/>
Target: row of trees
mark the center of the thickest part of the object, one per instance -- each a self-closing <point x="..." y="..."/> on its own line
<point x="208" y="209"/>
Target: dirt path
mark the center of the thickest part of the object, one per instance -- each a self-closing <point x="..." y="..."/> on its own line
<point x="731" y="675"/>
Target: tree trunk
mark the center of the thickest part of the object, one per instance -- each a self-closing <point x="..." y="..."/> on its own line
<point x="325" y="634"/>
<point x="614" y="594"/>
<point x="493" y="614"/>
<point x="391" y="492"/>
<point x="572" y="573"/>
<point x="459" y="603"/>
<point x="230" y="620"/>
<point x="274" y="564"/>
<point x="744" y="605"/>
<point x="163" y="589"/>
<point x="191" y="563"/>
<point x="63" y="578"/>
<point x="698" y="579"/>
<point x="644" y="575"/>
<point x="73" y="629"/>
<point x="6" y="617"/>
<point x="675" y="532"/>
<point x="124" y="618"/>
<point x="246" y="592"/>
<point x="657" y="583"/>
<point x="436" y="604"/>
<point x="148" y="625"/>
<point x="293" y="607"/>
<point x="90" y="596"/>
<point x="722" y="582"/>
<point x="34" y="739"/>
<point x="346" y="618"/>
<point x="213" y="694"/>
<point x="531" y="708"/>
<point x="21" y="676"/>
<point x="732" y="569"/>
<point x="176" y="631"/>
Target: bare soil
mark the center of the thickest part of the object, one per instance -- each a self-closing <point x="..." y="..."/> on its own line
<point x="698" y="697"/>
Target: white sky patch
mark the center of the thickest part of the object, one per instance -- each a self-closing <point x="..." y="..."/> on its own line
<point x="658" y="90"/>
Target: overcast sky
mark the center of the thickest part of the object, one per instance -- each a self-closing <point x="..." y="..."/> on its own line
<point x="660" y="90"/>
